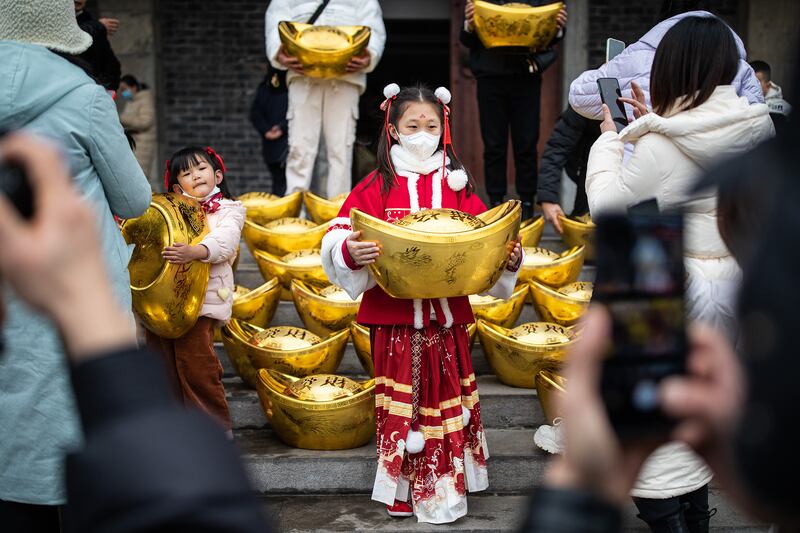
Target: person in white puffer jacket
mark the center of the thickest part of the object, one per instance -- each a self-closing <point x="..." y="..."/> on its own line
<point x="698" y="119"/>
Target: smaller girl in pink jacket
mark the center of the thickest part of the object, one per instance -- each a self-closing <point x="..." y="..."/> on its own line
<point x="192" y="364"/>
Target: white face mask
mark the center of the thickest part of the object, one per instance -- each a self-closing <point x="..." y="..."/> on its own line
<point x="421" y="145"/>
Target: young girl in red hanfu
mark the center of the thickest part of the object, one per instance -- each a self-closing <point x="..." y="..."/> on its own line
<point x="431" y="444"/>
<point x="192" y="365"/>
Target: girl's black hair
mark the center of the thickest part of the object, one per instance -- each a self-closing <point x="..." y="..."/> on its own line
<point x="670" y="8"/>
<point x="132" y="81"/>
<point x="184" y="159"/>
<point x="406" y="96"/>
<point x="695" y="56"/>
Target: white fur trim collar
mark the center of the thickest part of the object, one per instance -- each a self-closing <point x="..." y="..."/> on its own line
<point x="404" y="161"/>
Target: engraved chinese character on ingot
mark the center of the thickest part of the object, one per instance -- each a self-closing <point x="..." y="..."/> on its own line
<point x="336" y="381"/>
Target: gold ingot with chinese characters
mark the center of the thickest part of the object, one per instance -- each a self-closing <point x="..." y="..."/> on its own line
<point x="283" y="236"/>
<point x="324" y="51"/>
<point x="296" y="351"/>
<point x="516" y="24"/>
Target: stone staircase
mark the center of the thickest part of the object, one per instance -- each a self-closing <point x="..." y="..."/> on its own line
<point x="312" y="490"/>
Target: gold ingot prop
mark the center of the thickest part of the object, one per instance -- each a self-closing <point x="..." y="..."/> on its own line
<point x="167" y="297"/>
<point x="550" y="388"/>
<point x="516" y="24"/>
<point x="361" y="343"/>
<point x="324" y="51"/>
<point x="304" y="265"/>
<point x="296" y="351"/>
<point x="283" y="236"/>
<point x="256" y="307"/>
<point x="263" y="207"/>
<point x="319" y="412"/>
<point x="321" y="209"/>
<point x="501" y="312"/>
<point x="467" y="256"/>
<point x="235" y="335"/>
<point x="563" y="306"/>
<point x="518" y="355"/>
<point x="579" y="231"/>
<point x="530" y="232"/>
<point x="551" y="268"/>
<point x="324" y="310"/>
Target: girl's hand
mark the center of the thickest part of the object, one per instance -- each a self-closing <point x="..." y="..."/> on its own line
<point x="608" y="123"/>
<point x="561" y="18"/>
<point x="469" y="15"/>
<point x="514" y="258"/>
<point x="363" y="253"/>
<point x="636" y="101"/>
<point x="179" y="253"/>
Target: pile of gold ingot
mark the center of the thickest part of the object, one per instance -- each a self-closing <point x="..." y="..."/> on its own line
<point x="563" y="306"/>
<point x="579" y="231"/>
<point x="324" y="51"/>
<point x="324" y="310"/>
<point x="516" y="24"/>
<point x="256" y="306"/>
<point x="530" y="232"/>
<point x="501" y="312"/>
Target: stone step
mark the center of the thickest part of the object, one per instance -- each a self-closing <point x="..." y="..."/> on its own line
<point x="273" y="467"/>
<point x="488" y="513"/>
<point x="501" y="406"/>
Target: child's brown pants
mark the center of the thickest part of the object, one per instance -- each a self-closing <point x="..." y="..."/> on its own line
<point x="194" y="370"/>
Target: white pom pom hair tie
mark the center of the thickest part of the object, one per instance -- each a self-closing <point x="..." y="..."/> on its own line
<point x="457" y="179"/>
<point x="442" y="94"/>
<point x="391" y="90"/>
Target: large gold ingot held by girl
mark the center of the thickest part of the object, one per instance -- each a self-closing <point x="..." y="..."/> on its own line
<point x="501" y="312"/>
<point x="319" y="412"/>
<point x="518" y="355"/>
<point x="530" y="231"/>
<point x="550" y="389"/>
<point x="263" y="207"/>
<point x="563" y="306"/>
<point x="516" y="24"/>
<point x="551" y="268"/>
<point x="304" y="265"/>
<point x="167" y="297"/>
<point x="324" y="51"/>
<point x="577" y="232"/>
<point x="321" y="209"/>
<point x="466" y="256"/>
<point x="283" y="236"/>
<point x="324" y="310"/>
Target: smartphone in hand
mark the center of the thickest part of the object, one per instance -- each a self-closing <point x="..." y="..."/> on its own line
<point x="14" y="184"/>
<point x="640" y="279"/>
<point x="610" y="94"/>
<point x="614" y="47"/>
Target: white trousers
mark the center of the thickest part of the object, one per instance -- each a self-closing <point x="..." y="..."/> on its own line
<point x="319" y="106"/>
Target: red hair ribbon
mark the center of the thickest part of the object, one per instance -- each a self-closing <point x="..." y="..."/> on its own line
<point x="210" y="151"/>
<point x="387" y="105"/>
<point x="166" y="175"/>
<point x="446" y="139"/>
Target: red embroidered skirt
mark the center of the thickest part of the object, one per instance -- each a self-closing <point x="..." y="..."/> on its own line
<point x="432" y="370"/>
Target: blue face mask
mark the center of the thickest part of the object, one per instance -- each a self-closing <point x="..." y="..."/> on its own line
<point x="127" y="94"/>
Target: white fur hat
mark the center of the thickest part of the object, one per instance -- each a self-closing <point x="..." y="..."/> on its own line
<point x="49" y="23"/>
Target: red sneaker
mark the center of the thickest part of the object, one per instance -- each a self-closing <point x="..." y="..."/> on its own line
<point x="400" y="509"/>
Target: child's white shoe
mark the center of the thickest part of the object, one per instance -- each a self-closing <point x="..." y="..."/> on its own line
<point x="549" y="438"/>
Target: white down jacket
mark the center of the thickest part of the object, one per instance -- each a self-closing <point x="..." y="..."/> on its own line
<point x="670" y="153"/>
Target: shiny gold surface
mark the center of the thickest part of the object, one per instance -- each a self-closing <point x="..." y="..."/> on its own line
<point x="563" y="306"/>
<point x="295" y="351"/>
<point x="263" y="207"/>
<point x="421" y="264"/>
<point x="579" y="231"/>
<point x="167" y="297"/>
<point x="516" y="24"/>
<point x="321" y="209"/>
<point x="441" y="221"/>
<point x="304" y="265"/>
<point x="324" y="51"/>
<point x="319" y="412"/>
<point x="530" y="231"/>
<point x="235" y="335"/>
<point x="502" y="312"/>
<point x="550" y="388"/>
<point x="518" y="355"/>
<point x="325" y="310"/>
<point x="257" y="306"/>
<point x="283" y="236"/>
<point x="551" y="268"/>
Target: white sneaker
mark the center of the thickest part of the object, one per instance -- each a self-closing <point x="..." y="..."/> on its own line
<point x="549" y="438"/>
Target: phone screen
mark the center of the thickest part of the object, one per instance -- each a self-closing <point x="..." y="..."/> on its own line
<point x="609" y="93"/>
<point x="614" y="47"/>
<point x="640" y="279"/>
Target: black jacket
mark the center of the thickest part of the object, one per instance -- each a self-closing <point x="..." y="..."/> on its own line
<point x="149" y="465"/>
<point x="498" y="61"/>
<point x="567" y="149"/>
<point x="100" y="57"/>
<point x="268" y="109"/>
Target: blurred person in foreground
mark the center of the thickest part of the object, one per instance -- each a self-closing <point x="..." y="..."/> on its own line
<point x="147" y="465"/>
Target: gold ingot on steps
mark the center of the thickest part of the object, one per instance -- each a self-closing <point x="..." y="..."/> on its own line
<point x="283" y="236"/>
<point x="502" y="312"/>
<point x="263" y="207"/>
<point x="304" y="265"/>
<point x="518" y="355"/>
<point x="579" y="231"/>
<point x="319" y="412"/>
<point x="296" y="351"/>
<point x="516" y="24"/>
<point x="167" y="297"/>
<point x="235" y="335"/>
<point x="321" y="209"/>
<point x="441" y="253"/>
<point x="324" y="310"/>
<point x="256" y="306"/>
<point x="530" y="232"/>
<point x="360" y="335"/>
<point x="324" y="51"/>
<point x="563" y="306"/>
<point x="551" y="268"/>
<point x="550" y="389"/>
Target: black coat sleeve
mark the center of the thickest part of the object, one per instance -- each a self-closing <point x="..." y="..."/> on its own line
<point x="561" y="144"/>
<point x="469" y="39"/>
<point x="149" y="465"/>
<point x="258" y="111"/>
